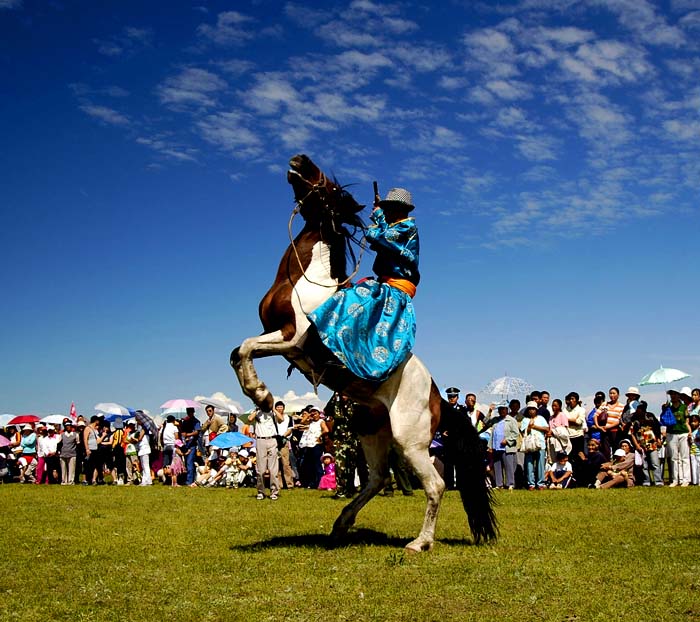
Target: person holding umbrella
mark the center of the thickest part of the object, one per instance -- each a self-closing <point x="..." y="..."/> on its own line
<point x="678" y="437"/>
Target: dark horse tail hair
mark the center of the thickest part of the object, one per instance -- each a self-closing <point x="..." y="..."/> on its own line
<point x="470" y="464"/>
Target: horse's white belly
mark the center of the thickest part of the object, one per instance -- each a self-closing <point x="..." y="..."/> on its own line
<point x="315" y="287"/>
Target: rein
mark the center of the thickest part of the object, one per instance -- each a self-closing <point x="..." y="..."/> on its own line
<point x="348" y="238"/>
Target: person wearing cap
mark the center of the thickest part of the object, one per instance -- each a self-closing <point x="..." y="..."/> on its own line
<point x="68" y="453"/>
<point x="678" y="437"/>
<point x="52" y="465"/>
<point x="645" y="434"/>
<point x="536" y="425"/>
<point x="459" y="411"/>
<point x="619" y="473"/>
<point x="370" y="328"/>
<point x="189" y="433"/>
<point x="27" y="454"/>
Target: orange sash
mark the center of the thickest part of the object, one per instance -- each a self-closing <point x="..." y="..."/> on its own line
<point x="403" y="284"/>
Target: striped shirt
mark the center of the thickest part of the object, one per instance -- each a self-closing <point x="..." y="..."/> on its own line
<point x="614" y="413"/>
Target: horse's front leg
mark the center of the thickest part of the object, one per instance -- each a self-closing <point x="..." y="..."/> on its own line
<point x="269" y="344"/>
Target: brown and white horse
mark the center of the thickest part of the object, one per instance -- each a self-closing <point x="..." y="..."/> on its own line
<point x="404" y="410"/>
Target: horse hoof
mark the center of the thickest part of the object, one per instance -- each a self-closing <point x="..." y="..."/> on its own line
<point x="418" y="547"/>
<point x="235" y="357"/>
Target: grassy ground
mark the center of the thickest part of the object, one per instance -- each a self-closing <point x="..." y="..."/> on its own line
<point x="73" y="553"/>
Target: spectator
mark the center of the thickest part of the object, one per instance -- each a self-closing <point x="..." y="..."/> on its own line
<point x="168" y="435"/>
<point x="576" y="416"/>
<point x="327" y="481"/>
<point x="694" y="421"/>
<point x="535" y="426"/>
<point x="27" y="455"/>
<point x="91" y="441"/>
<point x="559" y="473"/>
<point x="311" y="446"/>
<point x="478" y="418"/>
<point x="543" y="407"/>
<point x="503" y="444"/>
<point x="645" y="432"/>
<point x="595" y="430"/>
<point x="284" y="430"/>
<point x="267" y="454"/>
<point x="41" y="435"/>
<point x="68" y="453"/>
<point x="608" y="419"/>
<point x="558" y="434"/>
<point x="678" y="437"/>
<point x="131" y="454"/>
<point x="118" y="448"/>
<point x="144" y="453"/>
<point x="590" y="464"/>
<point x="189" y="433"/>
<point x="619" y="473"/>
<point x="51" y="461"/>
<point x="214" y="425"/>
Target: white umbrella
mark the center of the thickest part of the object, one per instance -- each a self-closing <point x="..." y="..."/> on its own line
<point x="4" y="419"/>
<point x="54" y="419"/>
<point x="110" y="408"/>
<point x="507" y="386"/>
<point x="218" y="405"/>
<point x="663" y="375"/>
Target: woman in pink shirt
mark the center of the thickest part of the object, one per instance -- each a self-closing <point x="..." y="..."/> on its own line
<point x="558" y="435"/>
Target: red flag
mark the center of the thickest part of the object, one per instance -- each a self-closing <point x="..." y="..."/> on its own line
<point x="73" y="412"/>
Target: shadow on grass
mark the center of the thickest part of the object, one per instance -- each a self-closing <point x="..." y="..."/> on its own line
<point x="357" y="537"/>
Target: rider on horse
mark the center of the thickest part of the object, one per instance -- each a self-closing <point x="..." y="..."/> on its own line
<point x="371" y="326"/>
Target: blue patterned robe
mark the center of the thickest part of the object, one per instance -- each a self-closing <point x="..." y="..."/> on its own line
<point x="371" y="326"/>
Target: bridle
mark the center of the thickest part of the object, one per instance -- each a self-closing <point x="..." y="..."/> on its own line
<point x="320" y="190"/>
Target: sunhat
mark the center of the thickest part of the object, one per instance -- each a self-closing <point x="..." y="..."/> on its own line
<point x="26" y="427"/>
<point x="633" y="391"/>
<point x="620" y="452"/>
<point x="531" y="404"/>
<point x="398" y="197"/>
<point x="327" y="455"/>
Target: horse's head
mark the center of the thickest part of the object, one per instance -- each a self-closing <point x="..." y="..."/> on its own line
<point x="321" y="200"/>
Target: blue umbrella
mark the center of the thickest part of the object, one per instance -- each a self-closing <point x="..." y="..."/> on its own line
<point x="230" y="439"/>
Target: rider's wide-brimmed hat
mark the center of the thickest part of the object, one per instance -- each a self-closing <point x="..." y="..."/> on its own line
<point x="398" y="197"/>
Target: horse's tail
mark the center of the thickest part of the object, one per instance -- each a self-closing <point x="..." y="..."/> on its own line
<point x="470" y="463"/>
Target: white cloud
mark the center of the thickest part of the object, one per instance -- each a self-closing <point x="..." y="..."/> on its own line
<point x="270" y="93"/>
<point x="105" y="114"/>
<point x="509" y="89"/>
<point x="641" y="17"/>
<point x="220" y="396"/>
<point x="683" y="130"/>
<point x="231" y="132"/>
<point x="228" y="31"/>
<point x="129" y="41"/>
<point x="168" y="149"/>
<point x="191" y="86"/>
<point x="294" y="402"/>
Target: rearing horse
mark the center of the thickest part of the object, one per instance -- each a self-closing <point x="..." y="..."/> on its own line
<point x="404" y="410"/>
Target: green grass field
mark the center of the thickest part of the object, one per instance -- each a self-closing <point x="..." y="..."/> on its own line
<point x="74" y="553"/>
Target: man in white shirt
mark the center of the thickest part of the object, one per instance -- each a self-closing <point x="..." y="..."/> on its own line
<point x="284" y="429"/>
<point x="266" y="451"/>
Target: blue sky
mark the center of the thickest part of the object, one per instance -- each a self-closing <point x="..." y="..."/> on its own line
<point x="551" y="148"/>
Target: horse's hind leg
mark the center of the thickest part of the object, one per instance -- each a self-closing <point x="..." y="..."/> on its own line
<point x="376" y="449"/>
<point x="433" y="485"/>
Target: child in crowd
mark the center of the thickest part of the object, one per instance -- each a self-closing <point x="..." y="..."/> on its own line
<point x="558" y="474"/>
<point x="694" y="421"/>
<point x="328" y="480"/>
<point x="177" y="466"/>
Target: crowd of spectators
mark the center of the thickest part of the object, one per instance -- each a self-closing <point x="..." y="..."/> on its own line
<point x="545" y="444"/>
